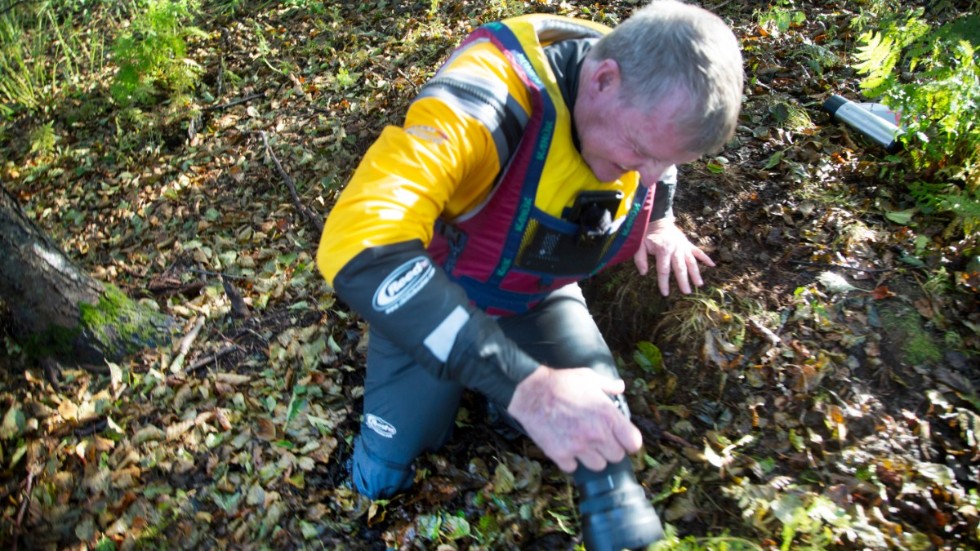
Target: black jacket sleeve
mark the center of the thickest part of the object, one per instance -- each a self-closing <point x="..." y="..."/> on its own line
<point x="412" y="302"/>
<point x="663" y="198"/>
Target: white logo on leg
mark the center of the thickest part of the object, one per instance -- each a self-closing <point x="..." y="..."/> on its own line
<point x="380" y="426"/>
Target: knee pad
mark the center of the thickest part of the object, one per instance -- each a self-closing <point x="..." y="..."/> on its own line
<point x="377" y="478"/>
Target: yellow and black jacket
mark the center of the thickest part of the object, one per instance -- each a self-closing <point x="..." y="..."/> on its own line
<point x="464" y="210"/>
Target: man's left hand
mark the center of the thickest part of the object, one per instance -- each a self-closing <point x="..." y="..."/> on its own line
<point x="674" y="253"/>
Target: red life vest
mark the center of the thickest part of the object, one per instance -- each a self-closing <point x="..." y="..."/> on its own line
<point x="507" y="253"/>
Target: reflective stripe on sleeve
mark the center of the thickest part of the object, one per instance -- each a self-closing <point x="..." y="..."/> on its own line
<point x="440" y="341"/>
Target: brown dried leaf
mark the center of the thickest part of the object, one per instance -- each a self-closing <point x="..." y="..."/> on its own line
<point x="710" y="352"/>
<point x="882" y="292"/>
<point x="232" y="378"/>
<point x="925" y="308"/>
<point x="68" y="410"/>
<point x="323" y="453"/>
<point x="265" y="429"/>
<point x="126" y="478"/>
<point x="148" y="433"/>
<point x="222" y="419"/>
<point x="176" y="430"/>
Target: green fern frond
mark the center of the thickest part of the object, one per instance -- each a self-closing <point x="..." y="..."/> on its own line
<point x="877" y="59"/>
<point x="966" y="208"/>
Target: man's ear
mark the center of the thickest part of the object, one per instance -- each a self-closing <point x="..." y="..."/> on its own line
<point x="607" y="75"/>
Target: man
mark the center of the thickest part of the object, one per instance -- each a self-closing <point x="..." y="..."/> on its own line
<point x="542" y="152"/>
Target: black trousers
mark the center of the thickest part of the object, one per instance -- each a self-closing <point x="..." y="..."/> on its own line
<point x="407" y="411"/>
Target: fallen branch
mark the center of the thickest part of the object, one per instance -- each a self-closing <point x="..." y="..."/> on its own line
<point x="173" y="286"/>
<point x="185" y="345"/>
<point x="680" y="441"/>
<point x="233" y="103"/>
<point x="215" y="274"/>
<point x="23" y="506"/>
<point x="213" y="357"/>
<point x="764" y="331"/>
<point x="314" y="220"/>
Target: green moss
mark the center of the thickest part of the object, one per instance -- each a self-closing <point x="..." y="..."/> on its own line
<point x="114" y="328"/>
<point x="111" y="304"/>
<point x="121" y="325"/>
<point x="917" y="344"/>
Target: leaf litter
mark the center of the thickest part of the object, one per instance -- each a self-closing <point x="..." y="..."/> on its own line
<point x="816" y="395"/>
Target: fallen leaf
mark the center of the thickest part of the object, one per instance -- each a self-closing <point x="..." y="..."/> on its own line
<point x="924" y="307"/>
<point x="902" y="217"/>
<point x="503" y="479"/>
<point x="882" y="292"/>
<point x="266" y="429"/>
<point x="68" y="410"/>
<point x="13" y="423"/>
<point x="836" y="283"/>
<point x="232" y="378"/>
<point x="147" y="434"/>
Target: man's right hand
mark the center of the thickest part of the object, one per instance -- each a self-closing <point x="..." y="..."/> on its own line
<point x="569" y="415"/>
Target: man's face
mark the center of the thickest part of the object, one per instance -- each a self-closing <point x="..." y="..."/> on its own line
<point x="616" y="137"/>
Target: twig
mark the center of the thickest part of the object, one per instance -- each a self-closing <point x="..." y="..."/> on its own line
<point x="220" y="85"/>
<point x="656" y="433"/>
<point x="257" y="335"/>
<point x="185" y="345"/>
<point x="415" y="88"/>
<point x="671" y="437"/>
<point x="92" y="428"/>
<point x="215" y="274"/>
<point x="233" y="103"/>
<point x="23" y="505"/>
<point x="315" y="222"/>
<point x="842" y="267"/>
<point x="772" y="337"/>
<point x="213" y="357"/>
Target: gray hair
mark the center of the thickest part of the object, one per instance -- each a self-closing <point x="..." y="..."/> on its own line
<point x="668" y="46"/>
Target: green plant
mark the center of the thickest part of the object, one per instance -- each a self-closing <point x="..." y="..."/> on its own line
<point x="700" y="312"/>
<point x="25" y="79"/>
<point x="502" y="8"/>
<point x="43" y="138"/>
<point x="153" y="52"/>
<point x="931" y="75"/>
<point x="47" y="50"/>
<point x="344" y="78"/>
<point x="225" y="7"/>
<point x="313" y="6"/>
<point x="964" y="207"/>
<point x="779" y="18"/>
<point x="917" y="345"/>
<point x="673" y="542"/>
<point x="648" y="357"/>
